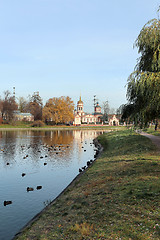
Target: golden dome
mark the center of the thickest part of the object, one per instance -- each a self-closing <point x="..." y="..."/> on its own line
<point x="80" y="101"/>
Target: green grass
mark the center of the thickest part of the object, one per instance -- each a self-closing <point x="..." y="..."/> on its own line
<point x="118" y="197"/>
<point x="24" y="125"/>
<point x="151" y="130"/>
<point x="19" y="125"/>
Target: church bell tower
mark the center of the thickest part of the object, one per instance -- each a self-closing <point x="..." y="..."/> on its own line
<point x="80" y="107"/>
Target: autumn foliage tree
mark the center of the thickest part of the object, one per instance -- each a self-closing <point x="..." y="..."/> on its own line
<point x="58" y="110"/>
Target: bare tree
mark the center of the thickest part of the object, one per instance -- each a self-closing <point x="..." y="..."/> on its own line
<point x="8" y="106"/>
<point x="105" y="107"/>
<point x="112" y="111"/>
<point x="35" y="106"/>
<point x="22" y="104"/>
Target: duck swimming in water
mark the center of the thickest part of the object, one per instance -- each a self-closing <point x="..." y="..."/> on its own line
<point x="30" y="189"/>
<point x="7" y="203"/>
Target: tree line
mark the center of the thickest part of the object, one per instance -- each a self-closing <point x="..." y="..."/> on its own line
<point x="56" y="110"/>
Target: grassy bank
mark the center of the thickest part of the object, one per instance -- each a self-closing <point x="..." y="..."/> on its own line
<point x="27" y="126"/>
<point x="118" y="197"/>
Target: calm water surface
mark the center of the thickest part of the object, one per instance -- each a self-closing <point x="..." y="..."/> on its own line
<point x="50" y="159"/>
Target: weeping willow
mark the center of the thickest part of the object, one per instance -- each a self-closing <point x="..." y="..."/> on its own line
<point x="143" y="86"/>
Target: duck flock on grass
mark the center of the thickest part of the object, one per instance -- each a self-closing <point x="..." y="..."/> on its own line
<point x="50" y="148"/>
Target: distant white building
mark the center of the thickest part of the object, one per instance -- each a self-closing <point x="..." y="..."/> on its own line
<point x="80" y="117"/>
<point x="19" y="116"/>
<point x="113" y="120"/>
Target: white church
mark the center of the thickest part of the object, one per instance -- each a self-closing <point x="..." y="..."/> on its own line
<point x="80" y="117"/>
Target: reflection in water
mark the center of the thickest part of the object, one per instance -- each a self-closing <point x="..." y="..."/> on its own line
<point x="42" y="161"/>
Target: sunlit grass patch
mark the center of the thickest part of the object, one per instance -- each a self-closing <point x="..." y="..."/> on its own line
<point x="84" y="229"/>
<point x="151" y="130"/>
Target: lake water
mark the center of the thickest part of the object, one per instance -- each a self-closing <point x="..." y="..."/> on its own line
<point x="50" y="159"/>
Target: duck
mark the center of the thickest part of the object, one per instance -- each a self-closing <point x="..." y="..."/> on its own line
<point x="23" y="174"/>
<point x="88" y="163"/>
<point x="39" y="187"/>
<point x="30" y="189"/>
<point x="45" y="163"/>
<point x="80" y="170"/>
<point x="7" y="203"/>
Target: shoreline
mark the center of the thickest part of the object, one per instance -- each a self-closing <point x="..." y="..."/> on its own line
<point x="58" y="128"/>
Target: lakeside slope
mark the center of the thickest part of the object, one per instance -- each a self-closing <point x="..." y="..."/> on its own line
<point x="118" y="197"/>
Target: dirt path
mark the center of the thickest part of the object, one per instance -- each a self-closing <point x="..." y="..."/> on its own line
<point x="154" y="139"/>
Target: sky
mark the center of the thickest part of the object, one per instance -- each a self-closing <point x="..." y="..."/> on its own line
<point x="71" y="47"/>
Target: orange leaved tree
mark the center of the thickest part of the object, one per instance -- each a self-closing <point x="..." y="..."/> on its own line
<point x="58" y="110"/>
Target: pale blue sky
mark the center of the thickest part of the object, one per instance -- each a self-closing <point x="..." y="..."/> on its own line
<point x="71" y="47"/>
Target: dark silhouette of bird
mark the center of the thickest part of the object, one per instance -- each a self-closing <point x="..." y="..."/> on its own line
<point x="88" y="163"/>
<point x="7" y="203"/>
<point x="30" y="189"/>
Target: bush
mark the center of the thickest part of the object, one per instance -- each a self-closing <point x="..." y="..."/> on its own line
<point x="38" y="123"/>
